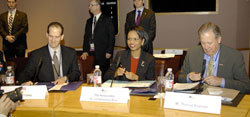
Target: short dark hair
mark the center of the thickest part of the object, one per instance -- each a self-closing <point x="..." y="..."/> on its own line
<point x="57" y="25"/>
<point x="209" y="26"/>
<point x="141" y="33"/>
<point x="8" y="0"/>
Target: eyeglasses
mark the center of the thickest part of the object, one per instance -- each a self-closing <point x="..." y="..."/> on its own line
<point x="135" y="39"/>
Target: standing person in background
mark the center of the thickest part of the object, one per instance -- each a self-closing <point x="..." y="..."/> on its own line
<point x="145" y="18"/>
<point x="99" y="37"/>
<point x="13" y="29"/>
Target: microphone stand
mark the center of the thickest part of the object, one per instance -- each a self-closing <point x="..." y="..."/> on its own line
<point x="117" y="65"/>
<point x="37" y="70"/>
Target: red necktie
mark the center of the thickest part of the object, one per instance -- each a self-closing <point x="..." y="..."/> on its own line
<point x="138" y="17"/>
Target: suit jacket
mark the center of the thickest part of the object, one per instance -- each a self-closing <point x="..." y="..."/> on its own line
<point x="46" y="74"/>
<point x="19" y="30"/>
<point x="145" y="69"/>
<point x="231" y="67"/>
<point x="104" y="37"/>
<point x="147" y="21"/>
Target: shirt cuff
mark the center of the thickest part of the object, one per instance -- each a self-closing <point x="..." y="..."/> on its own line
<point x="222" y="83"/>
<point x="188" y="80"/>
<point x="2" y="115"/>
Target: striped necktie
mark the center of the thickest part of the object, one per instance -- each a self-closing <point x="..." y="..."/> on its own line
<point x="56" y="66"/>
<point x="10" y="23"/>
<point x="210" y="68"/>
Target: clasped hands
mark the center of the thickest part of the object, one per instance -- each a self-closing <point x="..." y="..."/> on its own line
<point x="129" y="75"/>
<point x="10" y="38"/>
<point x="59" y="81"/>
<point x="210" y="80"/>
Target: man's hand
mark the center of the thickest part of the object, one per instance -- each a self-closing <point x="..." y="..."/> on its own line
<point x="6" y="105"/>
<point x="27" y="83"/>
<point x="10" y="38"/>
<point x="120" y="71"/>
<point x="213" y="80"/>
<point x="60" y="81"/>
<point x="131" y="76"/>
<point x="84" y="55"/>
<point x="194" y="76"/>
<point x="108" y="56"/>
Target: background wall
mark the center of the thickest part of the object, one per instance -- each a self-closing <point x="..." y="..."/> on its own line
<point x="173" y="31"/>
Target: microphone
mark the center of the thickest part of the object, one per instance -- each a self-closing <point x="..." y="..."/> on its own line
<point x="38" y="69"/>
<point x="117" y="65"/>
<point x="203" y="67"/>
<point x="200" y="86"/>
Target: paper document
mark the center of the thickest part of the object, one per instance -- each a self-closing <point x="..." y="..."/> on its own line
<point x="185" y="86"/>
<point x="227" y="95"/>
<point x="164" y="55"/>
<point x="58" y="87"/>
<point x="117" y="83"/>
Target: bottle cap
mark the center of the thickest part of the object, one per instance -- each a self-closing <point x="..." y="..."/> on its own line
<point x="169" y="69"/>
<point x="9" y="67"/>
<point x="97" y="66"/>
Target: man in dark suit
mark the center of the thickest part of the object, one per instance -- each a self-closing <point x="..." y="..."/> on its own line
<point x="13" y="29"/>
<point x="222" y="66"/>
<point x="142" y="17"/>
<point x="52" y="62"/>
<point x="99" y="37"/>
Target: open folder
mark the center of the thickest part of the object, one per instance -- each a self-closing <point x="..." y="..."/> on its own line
<point x="64" y="87"/>
<point x="129" y="84"/>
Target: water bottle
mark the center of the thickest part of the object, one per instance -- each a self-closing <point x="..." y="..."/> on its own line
<point x="169" y="80"/>
<point x="97" y="76"/>
<point x="10" y="76"/>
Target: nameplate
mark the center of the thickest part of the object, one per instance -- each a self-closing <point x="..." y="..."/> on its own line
<point x="174" y="51"/>
<point x="35" y="92"/>
<point x="102" y="94"/>
<point x="29" y="92"/>
<point x="193" y="102"/>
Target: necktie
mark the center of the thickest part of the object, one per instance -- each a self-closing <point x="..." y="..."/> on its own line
<point x="93" y="25"/>
<point x="138" y="18"/>
<point x="210" y="68"/>
<point x="10" y="23"/>
<point x="56" y="66"/>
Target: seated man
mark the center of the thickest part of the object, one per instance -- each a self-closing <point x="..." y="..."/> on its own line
<point x="52" y="62"/>
<point x="222" y="66"/>
<point x="134" y="63"/>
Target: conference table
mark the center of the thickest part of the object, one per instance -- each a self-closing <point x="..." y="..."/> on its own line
<point x="68" y="104"/>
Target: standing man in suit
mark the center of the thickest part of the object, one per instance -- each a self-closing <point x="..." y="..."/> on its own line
<point x="99" y="37"/>
<point x="13" y="29"/>
<point x="215" y="63"/>
<point x="53" y="62"/>
<point x="142" y="17"/>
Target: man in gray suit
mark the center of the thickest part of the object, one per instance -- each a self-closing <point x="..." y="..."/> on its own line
<point x="214" y="63"/>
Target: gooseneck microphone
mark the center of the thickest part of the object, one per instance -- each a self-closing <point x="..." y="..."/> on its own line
<point x="38" y="70"/>
<point x="117" y="65"/>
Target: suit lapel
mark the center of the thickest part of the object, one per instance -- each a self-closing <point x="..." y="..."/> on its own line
<point x="126" y="60"/>
<point x="98" y="21"/>
<point x="15" y="18"/>
<point x="144" y="13"/>
<point x="48" y="59"/>
<point x="64" y="57"/>
<point x="133" y="18"/>
<point x="221" y="62"/>
<point x="141" y="64"/>
<point x="200" y="58"/>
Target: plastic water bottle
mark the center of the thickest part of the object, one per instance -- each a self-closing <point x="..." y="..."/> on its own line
<point x="169" y="80"/>
<point x="97" y="76"/>
<point x="10" y="76"/>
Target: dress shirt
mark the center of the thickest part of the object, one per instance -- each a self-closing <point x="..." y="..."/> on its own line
<point x="136" y="12"/>
<point x="13" y="12"/>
